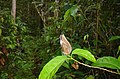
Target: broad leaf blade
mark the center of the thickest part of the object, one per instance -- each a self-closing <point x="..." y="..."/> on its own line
<point x="52" y="67"/>
<point x="67" y="15"/>
<point x="70" y="12"/>
<point x="108" y="62"/>
<point x="84" y="53"/>
<point x="73" y="10"/>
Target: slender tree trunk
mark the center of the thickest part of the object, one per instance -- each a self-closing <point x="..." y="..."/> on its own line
<point x="13" y="11"/>
<point x="97" y="25"/>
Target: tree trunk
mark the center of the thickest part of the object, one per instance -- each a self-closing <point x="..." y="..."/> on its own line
<point x="13" y="11"/>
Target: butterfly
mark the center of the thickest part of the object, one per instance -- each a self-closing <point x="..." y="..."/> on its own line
<point x="66" y="49"/>
<point x="65" y="45"/>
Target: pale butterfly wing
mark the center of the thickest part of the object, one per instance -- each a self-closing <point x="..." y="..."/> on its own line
<point x="66" y="47"/>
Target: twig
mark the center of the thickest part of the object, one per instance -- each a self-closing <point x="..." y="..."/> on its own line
<point x="97" y="24"/>
<point x="95" y="67"/>
<point x="41" y="16"/>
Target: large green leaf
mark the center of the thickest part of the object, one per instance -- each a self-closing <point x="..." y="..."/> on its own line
<point x="71" y="12"/>
<point x="114" y="38"/>
<point x="84" y="53"/>
<point x="52" y="67"/>
<point x="108" y="62"/>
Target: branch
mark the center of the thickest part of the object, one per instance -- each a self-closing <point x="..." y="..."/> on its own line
<point x="103" y="69"/>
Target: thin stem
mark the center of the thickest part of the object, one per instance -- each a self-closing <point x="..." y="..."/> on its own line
<point x="97" y="23"/>
<point x="93" y="66"/>
<point x="39" y="12"/>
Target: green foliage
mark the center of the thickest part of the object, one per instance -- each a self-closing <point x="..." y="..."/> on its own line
<point x="17" y="63"/>
<point x="109" y="62"/>
<point x="114" y="38"/>
<point x="11" y="33"/>
<point x="84" y="53"/>
<point x="71" y="12"/>
<point x="90" y="77"/>
<point x="52" y="67"/>
<point x="76" y="19"/>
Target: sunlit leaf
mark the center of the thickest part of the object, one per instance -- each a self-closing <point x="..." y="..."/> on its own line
<point x="52" y="67"/>
<point x="67" y="15"/>
<point x="108" y="62"/>
<point x="119" y="48"/>
<point x="84" y="53"/>
<point x="114" y="38"/>
<point x="86" y="37"/>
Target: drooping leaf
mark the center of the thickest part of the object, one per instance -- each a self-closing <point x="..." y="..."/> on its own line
<point x="108" y="62"/>
<point x="73" y="10"/>
<point x="67" y="15"/>
<point x="114" y="38"/>
<point x="84" y="53"/>
<point x="52" y="67"/>
<point x="86" y="37"/>
<point x="75" y="65"/>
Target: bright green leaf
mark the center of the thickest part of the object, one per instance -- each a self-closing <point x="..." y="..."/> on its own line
<point x="90" y="77"/>
<point x="11" y="46"/>
<point x="114" y="38"/>
<point x="67" y="15"/>
<point x="84" y="53"/>
<point x="86" y="37"/>
<point x="119" y="48"/>
<point x="73" y="10"/>
<point x="108" y="62"/>
<point x="52" y="67"/>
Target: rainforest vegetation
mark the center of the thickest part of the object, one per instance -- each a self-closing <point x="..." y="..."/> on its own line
<point x="30" y="33"/>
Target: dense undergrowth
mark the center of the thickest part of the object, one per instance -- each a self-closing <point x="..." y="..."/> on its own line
<point x="27" y="45"/>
